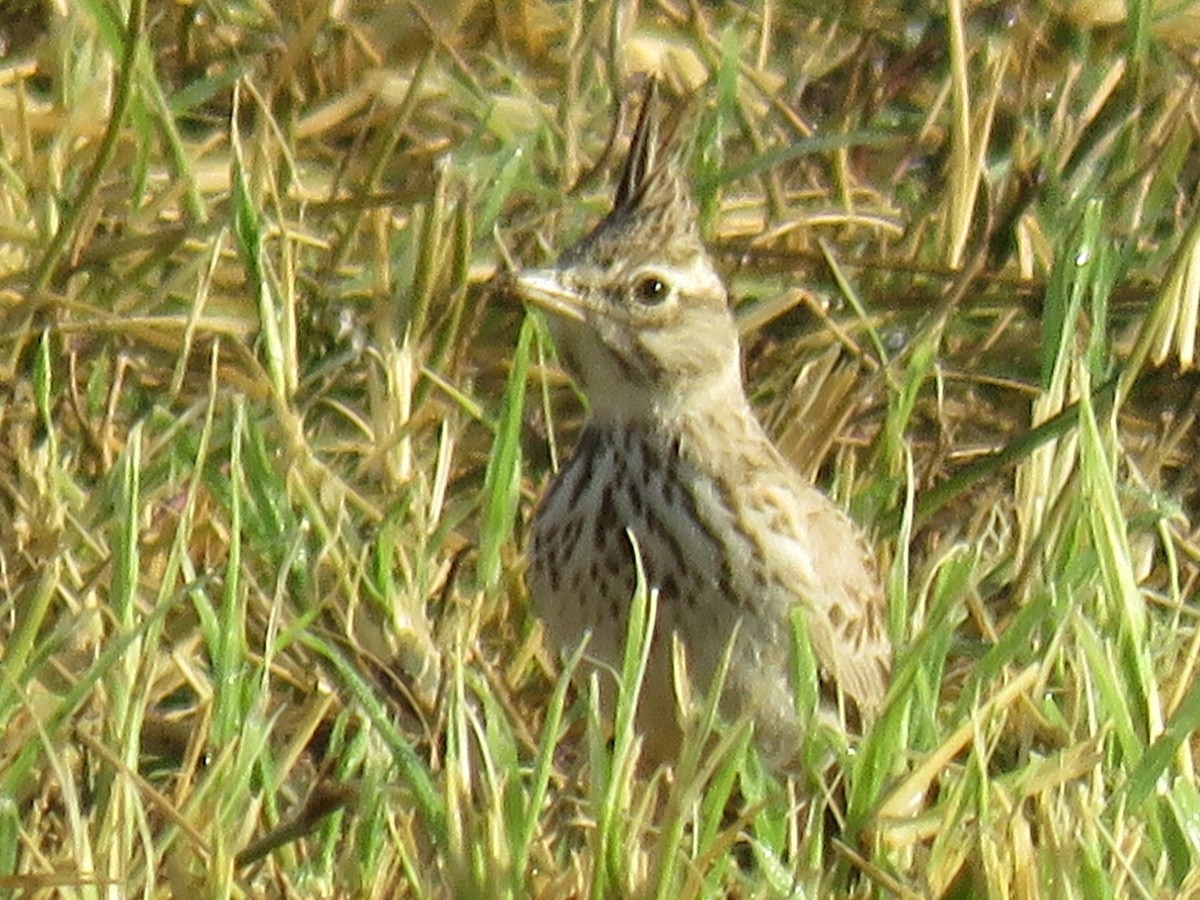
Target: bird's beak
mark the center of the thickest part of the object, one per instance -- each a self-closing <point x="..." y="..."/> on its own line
<point x="542" y="288"/>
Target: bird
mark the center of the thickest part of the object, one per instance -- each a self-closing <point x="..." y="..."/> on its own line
<point x="671" y="458"/>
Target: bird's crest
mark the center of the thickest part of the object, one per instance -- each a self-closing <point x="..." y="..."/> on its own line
<point x="653" y="206"/>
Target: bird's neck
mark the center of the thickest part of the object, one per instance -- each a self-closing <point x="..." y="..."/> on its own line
<point x="704" y="426"/>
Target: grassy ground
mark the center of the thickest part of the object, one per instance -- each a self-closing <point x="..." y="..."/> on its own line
<point x="270" y="435"/>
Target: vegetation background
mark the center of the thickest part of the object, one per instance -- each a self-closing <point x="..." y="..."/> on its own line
<point x="271" y="430"/>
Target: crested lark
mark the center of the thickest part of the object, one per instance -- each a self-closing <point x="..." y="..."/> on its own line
<point x="729" y="534"/>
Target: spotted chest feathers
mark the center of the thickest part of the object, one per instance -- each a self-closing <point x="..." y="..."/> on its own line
<point x="621" y="481"/>
<point x="710" y="575"/>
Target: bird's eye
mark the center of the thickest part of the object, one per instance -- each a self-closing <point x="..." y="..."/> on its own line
<point x="651" y="290"/>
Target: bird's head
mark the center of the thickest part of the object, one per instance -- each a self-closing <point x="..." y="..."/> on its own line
<point x="639" y="314"/>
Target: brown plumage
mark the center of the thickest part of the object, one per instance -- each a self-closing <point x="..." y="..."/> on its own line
<point x="729" y="534"/>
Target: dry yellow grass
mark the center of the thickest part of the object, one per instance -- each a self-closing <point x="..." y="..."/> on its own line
<point x="270" y="431"/>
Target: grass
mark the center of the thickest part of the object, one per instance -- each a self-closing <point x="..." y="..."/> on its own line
<point x="271" y="432"/>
